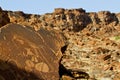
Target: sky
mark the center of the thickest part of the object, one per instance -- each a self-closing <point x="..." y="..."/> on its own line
<point x="48" y="6"/>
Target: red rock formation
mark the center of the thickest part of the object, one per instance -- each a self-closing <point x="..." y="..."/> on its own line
<point x="36" y="52"/>
<point x="92" y="41"/>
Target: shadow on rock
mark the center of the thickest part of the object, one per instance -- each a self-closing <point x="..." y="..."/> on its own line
<point x="9" y="71"/>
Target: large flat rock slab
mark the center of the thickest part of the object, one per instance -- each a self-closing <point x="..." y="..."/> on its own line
<point x="26" y="54"/>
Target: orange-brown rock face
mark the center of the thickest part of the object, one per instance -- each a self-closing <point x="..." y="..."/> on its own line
<point x="26" y="54"/>
<point x="92" y="44"/>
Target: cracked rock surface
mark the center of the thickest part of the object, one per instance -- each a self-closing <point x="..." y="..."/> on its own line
<point x="26" y="54"/>
<point x="92" y="41"/>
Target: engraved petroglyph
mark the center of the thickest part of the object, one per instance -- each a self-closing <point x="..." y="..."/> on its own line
<point x="29" y="63"/>
<point x="34" y="59"/>
<point x="16" y="38"/>
<point x="43" y="67"/>
<point x="29" y="52"/>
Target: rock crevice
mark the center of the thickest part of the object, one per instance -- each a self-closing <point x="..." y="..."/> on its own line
<point x="90" y="42"/>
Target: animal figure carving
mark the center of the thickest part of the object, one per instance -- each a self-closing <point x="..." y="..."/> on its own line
<point x="26" y="54"/>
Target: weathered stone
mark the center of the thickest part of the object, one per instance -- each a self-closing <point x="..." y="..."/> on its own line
<point x="79" y="11"/>
<point x="16" y="17"/>
<point x="90" y="48"/>
<point x="118" y="17"/>
<point x="4" y="19"/>
<point x="106" y="17"/>
<point x="29" y="54"/>
<point x="59" y="10"/>
<point x="117" y="76"/>
<point x="94" y="17"/>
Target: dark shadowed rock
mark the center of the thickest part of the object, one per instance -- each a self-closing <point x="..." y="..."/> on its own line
<point x="24" y="52"/>
<point x="92" y="50"/>
<point x="9" y="71"/>
<point x="0" y="9"/>
<point x="3" y="18"/>
<point x="107" y="17"/>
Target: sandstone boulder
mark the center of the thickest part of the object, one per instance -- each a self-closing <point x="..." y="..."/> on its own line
<point x="26" y="54"/>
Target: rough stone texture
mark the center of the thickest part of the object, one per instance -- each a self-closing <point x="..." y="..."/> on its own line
<point x="26" y="54"/>
<point x="17" y="16"/>
<point x="92" y="41"/>
<point x="4" y="19"/>
<point x="118" y="17"/>
<point x="107" y="17"/>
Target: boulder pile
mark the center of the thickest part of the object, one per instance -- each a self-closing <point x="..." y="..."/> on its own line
<point x="68" y="44"/>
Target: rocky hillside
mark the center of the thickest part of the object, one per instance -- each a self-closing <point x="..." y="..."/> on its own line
<point x="92" y="40"/>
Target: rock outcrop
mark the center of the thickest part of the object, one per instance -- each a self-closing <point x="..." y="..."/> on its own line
<point x="91" y="50"/>
<point x="36" y="52"/>
<point x="4" y="19"/>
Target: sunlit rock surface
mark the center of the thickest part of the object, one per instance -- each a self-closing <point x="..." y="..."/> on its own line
<point x="29" y="54"/>
<point x="91" y="50"/>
